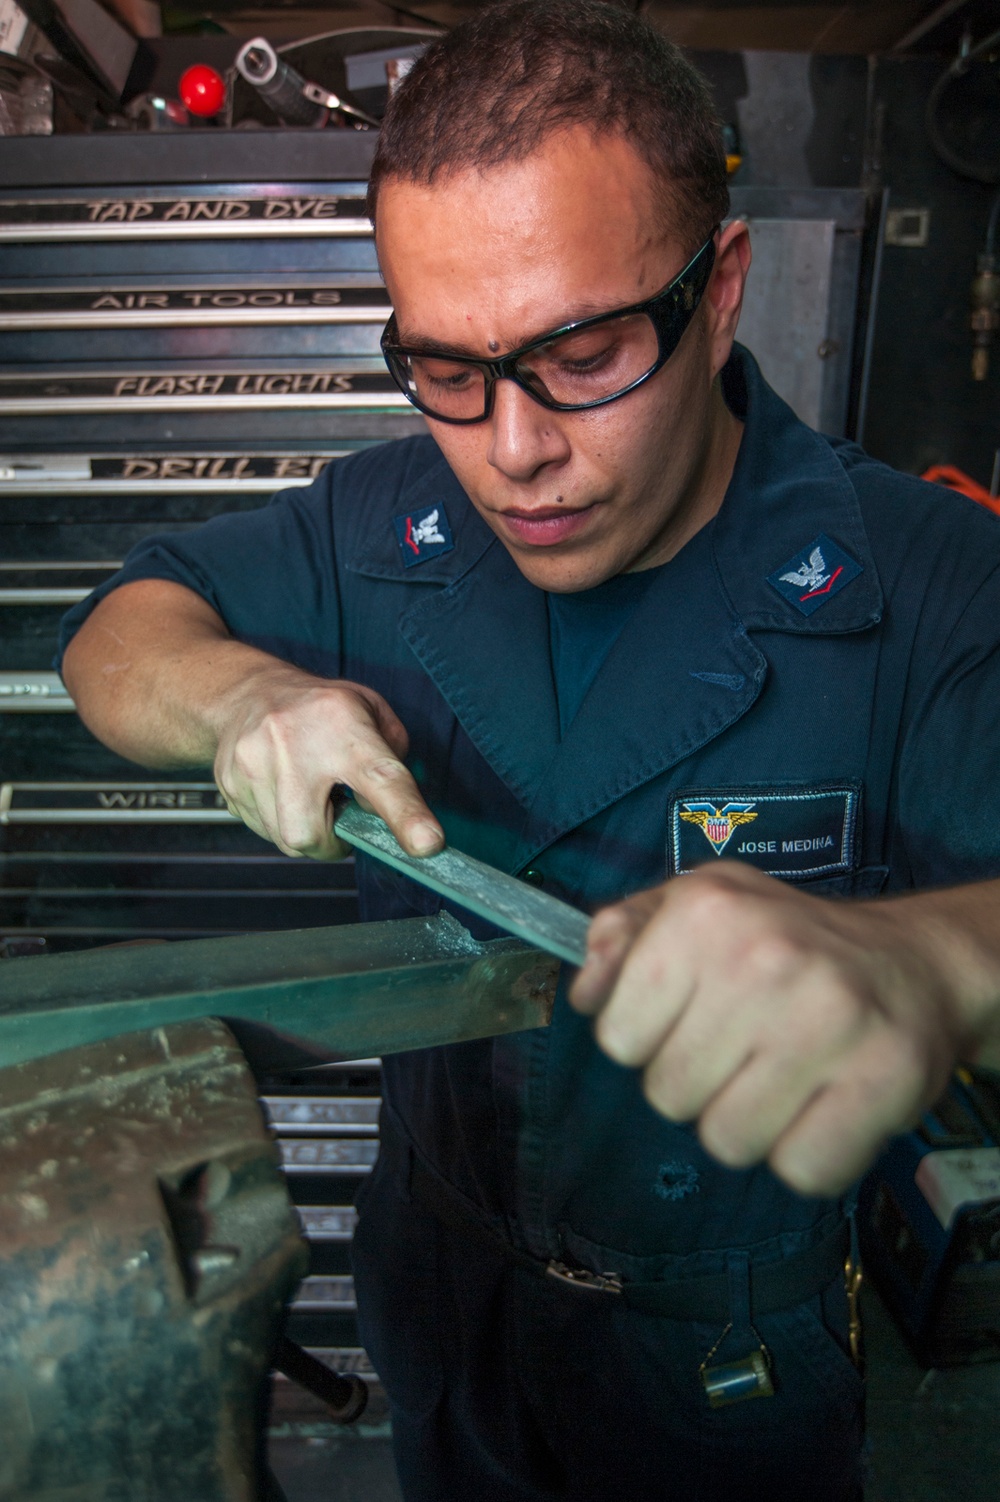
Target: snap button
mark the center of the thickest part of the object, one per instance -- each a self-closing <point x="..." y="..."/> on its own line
<point x="533" y="877"/>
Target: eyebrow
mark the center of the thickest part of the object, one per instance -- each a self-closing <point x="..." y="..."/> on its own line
<point x="422" y="345"/>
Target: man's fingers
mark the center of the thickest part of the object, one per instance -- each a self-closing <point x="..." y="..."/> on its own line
<point x="612" y="933"/>
<point x="381" y="780"/>
<point x="630" y="1029"/>
<point x="278" y="769"/>
<point x="839" y="1133"/>
<point x="706" y="1048"/>
<point x="754" y="1105"/>
<point x="388" y="724"/>
<point x="818" y="1121"/>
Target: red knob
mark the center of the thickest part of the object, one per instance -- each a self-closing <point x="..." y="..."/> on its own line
<point x="202" y="90"/>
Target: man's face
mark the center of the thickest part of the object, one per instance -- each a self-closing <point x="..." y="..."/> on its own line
<point x="484" y="263"/>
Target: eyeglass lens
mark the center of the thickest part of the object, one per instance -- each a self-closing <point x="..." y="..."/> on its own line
<point x="582" y="366"/>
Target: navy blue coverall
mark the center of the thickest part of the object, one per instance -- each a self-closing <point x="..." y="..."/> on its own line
<point x="810" y="685"/>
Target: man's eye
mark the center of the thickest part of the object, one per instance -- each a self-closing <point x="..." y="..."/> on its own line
<point x="445" y="377"/>
<point x="577" y="359"/>
<point x="588" y="364"/>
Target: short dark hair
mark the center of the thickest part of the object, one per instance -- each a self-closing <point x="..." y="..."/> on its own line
<point x="495" y="87"/>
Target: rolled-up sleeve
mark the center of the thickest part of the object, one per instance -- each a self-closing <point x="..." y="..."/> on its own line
<point x="270" y="574"/>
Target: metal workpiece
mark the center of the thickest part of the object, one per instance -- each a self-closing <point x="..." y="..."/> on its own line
<point x="291" y="998"/>
<point x="148" y="1248"/>
<point x="505" y="900"/>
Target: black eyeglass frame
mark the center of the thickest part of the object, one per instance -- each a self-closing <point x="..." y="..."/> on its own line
<point x="666" y="311"/>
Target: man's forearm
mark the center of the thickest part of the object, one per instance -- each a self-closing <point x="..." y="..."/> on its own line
<point x="154" y="673"/>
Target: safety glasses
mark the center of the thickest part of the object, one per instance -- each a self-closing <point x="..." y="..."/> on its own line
<point x="583" y="364"/>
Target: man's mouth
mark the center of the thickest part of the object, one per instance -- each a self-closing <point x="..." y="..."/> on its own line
<point x="543" y="526"/>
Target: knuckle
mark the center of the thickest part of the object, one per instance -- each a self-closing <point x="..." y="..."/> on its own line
<point x="613" y="924"/>
<point x="617" y="1037"/>
<point x="833" y="1013"/>
<point x="294" y="834"/>
<point x="385" y="770"/>
<point x="773" y="957"/>
<point x="708" y="906"/>
<point x="246" y="760"/>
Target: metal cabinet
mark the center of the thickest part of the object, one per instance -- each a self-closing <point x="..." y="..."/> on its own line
<point x="187" y="325"/>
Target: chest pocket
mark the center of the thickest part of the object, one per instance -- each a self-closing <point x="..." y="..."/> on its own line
<point x="867" y="882"/>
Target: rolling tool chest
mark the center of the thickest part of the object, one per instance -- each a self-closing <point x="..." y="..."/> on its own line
<point x="188" y="324"/>
<point x="930" y="1225"/>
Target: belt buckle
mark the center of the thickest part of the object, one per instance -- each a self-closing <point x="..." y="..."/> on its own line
<point x="582" y="1277"/>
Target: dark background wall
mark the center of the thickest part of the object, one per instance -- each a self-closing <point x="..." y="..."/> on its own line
<point x="843" y="121"/>
<point x="924" y="406"/>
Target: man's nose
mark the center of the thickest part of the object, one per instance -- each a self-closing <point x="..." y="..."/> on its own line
<point x="525" y="436"/>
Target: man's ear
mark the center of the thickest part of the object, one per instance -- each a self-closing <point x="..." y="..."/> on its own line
<point x="724" y="293"/>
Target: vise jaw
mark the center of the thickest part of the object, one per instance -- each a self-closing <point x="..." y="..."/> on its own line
<point x="147" y="1248"/>
<point x="148" y="1245"/>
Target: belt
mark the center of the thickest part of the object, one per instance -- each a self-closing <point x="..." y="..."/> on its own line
<point x="705" y="1300"/>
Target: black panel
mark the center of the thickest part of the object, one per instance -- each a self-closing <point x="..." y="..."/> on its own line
<point x="190" y="156"/>
<point x="923" y="405"/>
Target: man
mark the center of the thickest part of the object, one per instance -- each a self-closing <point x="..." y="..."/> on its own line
<point x="619" y="619"/>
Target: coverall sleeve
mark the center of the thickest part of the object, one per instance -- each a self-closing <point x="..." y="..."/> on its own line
<point x="270" y="574"/>
<point x="949" y="775"/>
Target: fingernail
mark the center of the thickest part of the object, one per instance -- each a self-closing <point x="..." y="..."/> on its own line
<point x="425" y="838"/>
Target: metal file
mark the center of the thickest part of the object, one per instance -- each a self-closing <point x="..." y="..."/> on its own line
<point x="511" y="904"/>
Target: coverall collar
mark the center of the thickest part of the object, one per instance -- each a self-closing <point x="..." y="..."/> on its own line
<point x="683" y="668"/>
<point x="787" y="489"/>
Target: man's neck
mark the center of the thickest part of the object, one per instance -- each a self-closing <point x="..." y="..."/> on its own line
<point x="708" y="484"/>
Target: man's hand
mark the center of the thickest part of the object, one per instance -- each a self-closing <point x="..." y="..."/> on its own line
<point x="156" y="675"/>
<point x="791" y="1028"/>
<point x="288" y="739"/>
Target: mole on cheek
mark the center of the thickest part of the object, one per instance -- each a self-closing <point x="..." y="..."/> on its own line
<point x="494" y="346"/>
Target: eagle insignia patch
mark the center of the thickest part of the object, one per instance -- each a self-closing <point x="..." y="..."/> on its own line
<point x="815" y="575"/>
<point x="423" y="534"/>
<point x="717" y="824"/>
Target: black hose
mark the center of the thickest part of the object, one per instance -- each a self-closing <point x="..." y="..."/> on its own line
<point x="346" y="1397"/>
<point x="951" y="158"/>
